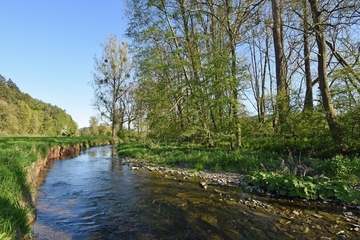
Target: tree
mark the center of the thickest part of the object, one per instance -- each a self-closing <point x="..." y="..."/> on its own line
<point x="111" y="80"/>
<point x="94" y="123"/>
<point x="34" y="124"/>
<point x="323" y="17"/>
<point x="129" y="105"/>
<point x="2" y="79"/>
<point x="24" y="117"/>
<point x="282" y="101"/>
<point x="12" y="85"/>
<point x="8" y="121"/>
<point x="190" y="71"/>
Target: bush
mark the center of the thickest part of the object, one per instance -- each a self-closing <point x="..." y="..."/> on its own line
<point x="341" y="167"/>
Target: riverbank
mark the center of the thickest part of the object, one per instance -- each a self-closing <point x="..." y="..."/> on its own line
<point x="22" y="159"/>
<point x="299" y="215"/>
<point x="335" y="179"/>
<point x="104" y="196"/>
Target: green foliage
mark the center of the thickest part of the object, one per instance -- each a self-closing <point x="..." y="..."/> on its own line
<point x="304" y="187"/>
<point x="306" y="132"/>
<point x="342" y="167"/>
<point x="22" y="115"/>
<point x="351" y="127"/>
<point x="264" y="170"/>
<point x="111" y="81"/>
<point x="15" y="192"/>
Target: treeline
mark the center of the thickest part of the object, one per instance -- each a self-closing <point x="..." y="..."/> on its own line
<point x="205" y="67"/>
<point x="20" y="114"/>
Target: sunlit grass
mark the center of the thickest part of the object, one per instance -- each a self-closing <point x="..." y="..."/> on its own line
<point x="201" y="158"/>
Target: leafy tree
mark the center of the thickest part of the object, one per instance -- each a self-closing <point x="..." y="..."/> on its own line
<point x="189" y="70"/>
<point x="130" y="107"/>
<point x="24" y="117"/>
<point x="34" y="124"/>
<point x="111" y="81"/>
<point x="94" y="122"/>
<point x="8" y="121"/>
<point x="12" y="85"/>
<point x="2" y="79"/>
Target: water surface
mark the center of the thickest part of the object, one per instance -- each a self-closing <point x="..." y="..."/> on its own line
<point x="96" y="195"/>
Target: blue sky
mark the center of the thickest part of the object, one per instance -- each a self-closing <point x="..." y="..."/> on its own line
<point x="47" y="48"/>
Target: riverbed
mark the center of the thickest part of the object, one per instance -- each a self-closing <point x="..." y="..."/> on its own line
<point x="99" y="195"/>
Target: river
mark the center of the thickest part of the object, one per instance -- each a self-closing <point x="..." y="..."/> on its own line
<point x="97" y="195"/>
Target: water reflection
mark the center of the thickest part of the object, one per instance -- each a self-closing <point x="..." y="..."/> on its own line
<point x="97" y="196"/>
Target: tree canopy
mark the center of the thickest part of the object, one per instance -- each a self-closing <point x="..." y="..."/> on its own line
<point x="111" y="82"/>
<point x="204" y="68"/>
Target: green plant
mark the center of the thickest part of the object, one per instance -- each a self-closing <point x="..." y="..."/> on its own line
<point x="304" y="187"/>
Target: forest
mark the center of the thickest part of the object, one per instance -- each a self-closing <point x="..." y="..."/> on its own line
<point x="278" y="76"/>
<point x="20" y="114"/>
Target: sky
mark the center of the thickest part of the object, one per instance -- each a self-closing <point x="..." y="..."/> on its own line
<point x="47" y="48"/>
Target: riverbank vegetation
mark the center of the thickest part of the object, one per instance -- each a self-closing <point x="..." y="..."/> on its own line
<point x="336" y="178"/>
<point x="16" y="194"/>
<point x="267" y="88"/>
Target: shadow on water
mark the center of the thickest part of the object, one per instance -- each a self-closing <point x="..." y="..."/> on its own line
<point x="96" y="195"/>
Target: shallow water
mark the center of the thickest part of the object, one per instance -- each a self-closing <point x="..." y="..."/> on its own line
<point x="96" y="195"/>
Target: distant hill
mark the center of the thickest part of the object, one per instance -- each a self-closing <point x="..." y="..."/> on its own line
<point x="20" y="114"/>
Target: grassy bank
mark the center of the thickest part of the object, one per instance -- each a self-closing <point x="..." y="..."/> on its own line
<point x="285" y="175"/>
<point x="16" y="155"/>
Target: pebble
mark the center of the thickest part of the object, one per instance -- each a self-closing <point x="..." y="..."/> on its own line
<point x="347" y="213"/>
<point x="203" y="185"/>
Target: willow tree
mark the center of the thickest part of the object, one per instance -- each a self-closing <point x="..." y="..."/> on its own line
<point x="111" y="80"/>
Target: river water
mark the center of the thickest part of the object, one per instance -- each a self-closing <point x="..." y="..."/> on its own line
<point x="96" y="195"/>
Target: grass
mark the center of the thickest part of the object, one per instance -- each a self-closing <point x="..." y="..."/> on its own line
<point x="199" y="157"/>
<point x="341" y="170"/>
<point x="16" y="154"/>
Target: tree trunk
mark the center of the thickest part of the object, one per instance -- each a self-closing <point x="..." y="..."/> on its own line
<point x="309" y="99"/>
<point x="234" y="86"/>
<point x="332" y="121"/>
<point x="280" y="62"/>
<point x="113" y="120"/>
